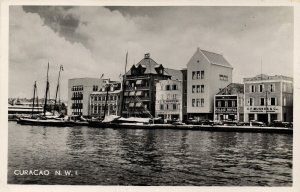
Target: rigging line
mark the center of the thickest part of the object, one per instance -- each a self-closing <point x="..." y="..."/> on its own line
<point x="138" y="99"/>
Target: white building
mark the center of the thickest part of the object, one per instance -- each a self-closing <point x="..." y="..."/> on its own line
<point x="268" y="98"/>
<point x="107" y="99"/>
<point x="79" y="91"/>
<point x="207" y="74"/>
<point x="169" y="99"/>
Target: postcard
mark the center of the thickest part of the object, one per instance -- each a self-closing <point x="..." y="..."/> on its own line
<point x="142" y="95"/>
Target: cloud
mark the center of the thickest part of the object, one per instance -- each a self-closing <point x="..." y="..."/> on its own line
<point x="32" y="45"/>
<point x="94" y="40"/>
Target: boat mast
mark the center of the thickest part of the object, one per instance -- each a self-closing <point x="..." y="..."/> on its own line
<point x="47" y="88"/>
<point x="123" y="85"/>
<point x="57" y="88"/>
<point x="34" y="88"/>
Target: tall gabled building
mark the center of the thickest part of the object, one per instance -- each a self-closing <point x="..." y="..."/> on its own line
<point x="140" y="90"/>
<point x="207" y="74"/>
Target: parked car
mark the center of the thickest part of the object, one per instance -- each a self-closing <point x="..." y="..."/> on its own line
<point x="243" y="124"/>
<point x="217" y="122"/>
<point x="192" y="122"/>
<point x="230" y="122"/>
<point x="278" y="123"/>
<point x="257" y="123"/>
<point x="178" y="123"/>
<point x="207" y="122"/>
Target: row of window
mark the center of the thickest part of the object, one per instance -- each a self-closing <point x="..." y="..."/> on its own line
<point x="96" y="109"/>
<point x="77" y="88"/>
<point x="198" y="102"/>
<point x="173" y="106"/>
<point x="174" y="96"/>
<point x="262" y="101"/>
<point x="77" y="106"/>
<point x="198" y="75"/>
<point x="103" y="98"/>
<point x="197" y="88"/>
<point x="226" y="103"/>
<point x="170" y="87"/>
<point x="223" y="77"/>
<point x="77" y="96"/>
<point x="262" y="88"/>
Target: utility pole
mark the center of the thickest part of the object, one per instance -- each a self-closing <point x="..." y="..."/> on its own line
<point x="267" y="106"/>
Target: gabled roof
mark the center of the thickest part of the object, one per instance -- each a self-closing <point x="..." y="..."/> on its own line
<point x="149" y="64"/>
<point x="232" y="89"/>
<point x="175" y="74"/>
<point x="215" y="58"/>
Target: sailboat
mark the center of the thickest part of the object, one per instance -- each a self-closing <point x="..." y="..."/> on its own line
<point x="45" y="119"/>
<point x="114" y="121"/>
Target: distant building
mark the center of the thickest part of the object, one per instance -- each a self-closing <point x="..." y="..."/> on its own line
<point x="207" y="74"/>
<point x="140" y="91"/>
<point x="169" y="99"/>
<point x="79" y="91"/>
<point x="268" y="98"/>
<point x="112" y="100"/>
<point x="229" y="103"/>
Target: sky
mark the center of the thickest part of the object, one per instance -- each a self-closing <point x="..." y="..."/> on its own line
<point x="90" y="41"/>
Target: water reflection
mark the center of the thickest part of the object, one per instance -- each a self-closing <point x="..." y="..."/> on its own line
<point x="150" y="157"/>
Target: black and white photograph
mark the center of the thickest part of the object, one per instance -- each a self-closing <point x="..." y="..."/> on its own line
<point x="150" y="95"/>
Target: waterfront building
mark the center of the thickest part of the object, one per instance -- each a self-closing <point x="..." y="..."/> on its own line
<point x="268" y="98"/>
<point x="169" y="99"/>
<point x="79" y="91"/>
<point x="107" y="98"/>
<point x="207" y="74"/>
<point x="140" y="90"/>
<point x="229" y="103"/>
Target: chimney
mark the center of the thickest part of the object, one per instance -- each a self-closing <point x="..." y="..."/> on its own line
<point x="147" y="55"/>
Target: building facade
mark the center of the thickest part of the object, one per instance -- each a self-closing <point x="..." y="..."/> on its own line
<point x="207" y="74"/>
<point x="79" y="91"/>
<point x="229" y="103"/>
<point x="106" y="100"/>
<point x="268" y="98"/>
<point x="169" y="99"/>
<point x="140" y="88"/>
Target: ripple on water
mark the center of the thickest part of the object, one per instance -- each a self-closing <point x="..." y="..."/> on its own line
<point x="150" y="157"/>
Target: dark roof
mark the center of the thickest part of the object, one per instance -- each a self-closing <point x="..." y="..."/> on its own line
<point x="175" y="74"/>
<point x="215" y="58"/>
<point x="232" y="88"/>
<point x="148" y="64"/>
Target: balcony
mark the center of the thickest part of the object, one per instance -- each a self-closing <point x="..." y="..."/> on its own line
<point x="76" y="106"/>
<point x="77" y="98"/>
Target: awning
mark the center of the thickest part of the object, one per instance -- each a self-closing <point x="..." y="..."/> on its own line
<point x="139" y="105"/>
<point x="131" y="93"/>
<point x="139" y="82"/>
<point x="139" y="93"/>
<point x="131" y="104"/>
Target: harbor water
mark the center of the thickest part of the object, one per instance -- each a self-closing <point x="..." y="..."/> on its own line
<point x="92" y="156"/>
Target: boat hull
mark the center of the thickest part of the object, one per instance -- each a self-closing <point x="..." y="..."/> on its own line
<point x="47" y="122"/>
